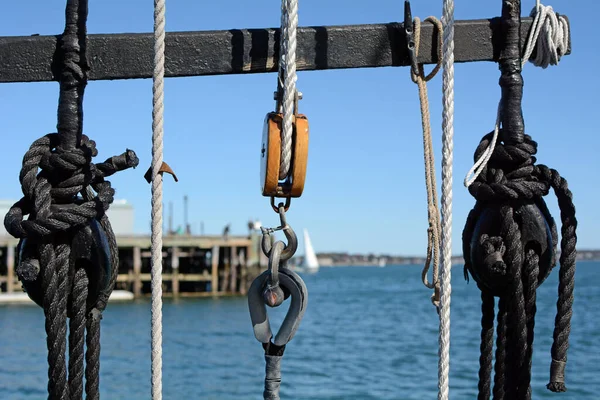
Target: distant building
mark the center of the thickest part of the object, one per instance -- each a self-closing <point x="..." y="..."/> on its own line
<point x="121" y="216"/>
<point x="4" y="207"/>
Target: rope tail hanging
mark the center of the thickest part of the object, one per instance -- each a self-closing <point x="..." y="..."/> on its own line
<point x="440" y="226"/>
<point x="417" y="73"/>
<point x="446" y="201"/>
<point x="68" y="259"/>
<point x="155" y="177"/>
<point x="510" y="238"/>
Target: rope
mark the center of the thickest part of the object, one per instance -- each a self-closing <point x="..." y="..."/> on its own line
<point x="500" y="366"/>
<point x="281" y="63"/>
<point x="446" y="211"/>
<point x="289" y="84"/>
<point x="55" y="169"/>
<point x="157" y="161"/>
<point x="77" y="334"/>
<point x="549" y="34"/>
<point x="513" y="179"/>
<point x="433" y="213"/>
<point x="487" y="345"/>
<point x="55" y="299"/>
<point x="508" y="181"/>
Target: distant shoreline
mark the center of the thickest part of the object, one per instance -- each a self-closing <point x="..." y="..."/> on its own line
<point x="364" y="260"/>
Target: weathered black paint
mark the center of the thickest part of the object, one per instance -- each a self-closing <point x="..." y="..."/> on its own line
<point x="129" y="56"/>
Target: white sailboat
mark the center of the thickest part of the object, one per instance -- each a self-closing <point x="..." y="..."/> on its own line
<point x="310" y="263"/>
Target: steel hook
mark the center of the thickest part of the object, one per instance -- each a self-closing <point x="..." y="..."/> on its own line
<point x="267" y="240"/>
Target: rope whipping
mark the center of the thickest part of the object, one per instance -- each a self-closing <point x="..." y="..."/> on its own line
<point x="59" y="264"/>
<point x="433" y="213"/>
<point x="157" y="186"/>
<point x="288" y="56"/>
<point x="510" y="238"/>
<point x="446" y="202"/>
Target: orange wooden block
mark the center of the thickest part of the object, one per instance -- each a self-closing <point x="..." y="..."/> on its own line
<point x="271" y="157"/>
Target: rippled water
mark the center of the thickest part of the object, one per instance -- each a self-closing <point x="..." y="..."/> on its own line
<point x="368" y="333"/>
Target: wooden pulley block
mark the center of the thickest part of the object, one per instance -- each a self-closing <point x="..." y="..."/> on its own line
<point x="271" y="155"/>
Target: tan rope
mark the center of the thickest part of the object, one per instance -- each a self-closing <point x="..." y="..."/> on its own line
<point x="433" y="213"/>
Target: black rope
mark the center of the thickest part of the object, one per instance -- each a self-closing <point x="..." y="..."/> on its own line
<point x="510" y="239"/>
<point x="487" y="345"/>
<point x="566" y="284"/>
<point x="92" y="356"/>
<point x="500" y="364"/>
<point x="517" y="318"/>
<point x="530" y="283"/>
<point x="54" y="281"/>
<point x="77" y="324"/>
<point x="63" y="193"/>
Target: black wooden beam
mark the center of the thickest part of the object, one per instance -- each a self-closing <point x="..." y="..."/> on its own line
<point x="130" y="56"/>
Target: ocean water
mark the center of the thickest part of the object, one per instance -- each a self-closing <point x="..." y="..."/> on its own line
<point x="368" y="333"/>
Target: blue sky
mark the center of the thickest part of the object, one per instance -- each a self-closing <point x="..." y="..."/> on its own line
<point x="365" y="189"/>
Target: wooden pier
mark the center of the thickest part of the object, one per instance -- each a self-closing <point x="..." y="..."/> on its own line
<point x="192" y="265"/>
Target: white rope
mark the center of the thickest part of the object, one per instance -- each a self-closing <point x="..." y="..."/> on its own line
<point x="281" y="63"/>
<point x="289" y="86"/>
<point x="157" y="160"/>
<point x="550" y="34"/>
<point x="446" y="212"/>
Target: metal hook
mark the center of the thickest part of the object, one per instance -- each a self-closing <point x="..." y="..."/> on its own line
<point x="267" y="240"/>
<point x="409" y="32"/>
<point x="290" y="281"/>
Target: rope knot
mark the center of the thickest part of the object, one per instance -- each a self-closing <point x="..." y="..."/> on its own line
<point x="509" y="244"/>
<point x="51" y="177"/>
<point x="510" y="173"/>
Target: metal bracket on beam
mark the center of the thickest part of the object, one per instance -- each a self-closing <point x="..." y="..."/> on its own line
<point x="130" y="56"/>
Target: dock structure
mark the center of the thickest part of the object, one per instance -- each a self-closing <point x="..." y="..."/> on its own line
<point x="192" y="265"/>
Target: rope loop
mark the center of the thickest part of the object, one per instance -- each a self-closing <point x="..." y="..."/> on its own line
<point x="413" y="36"/>
<point x="420" y="75"/>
